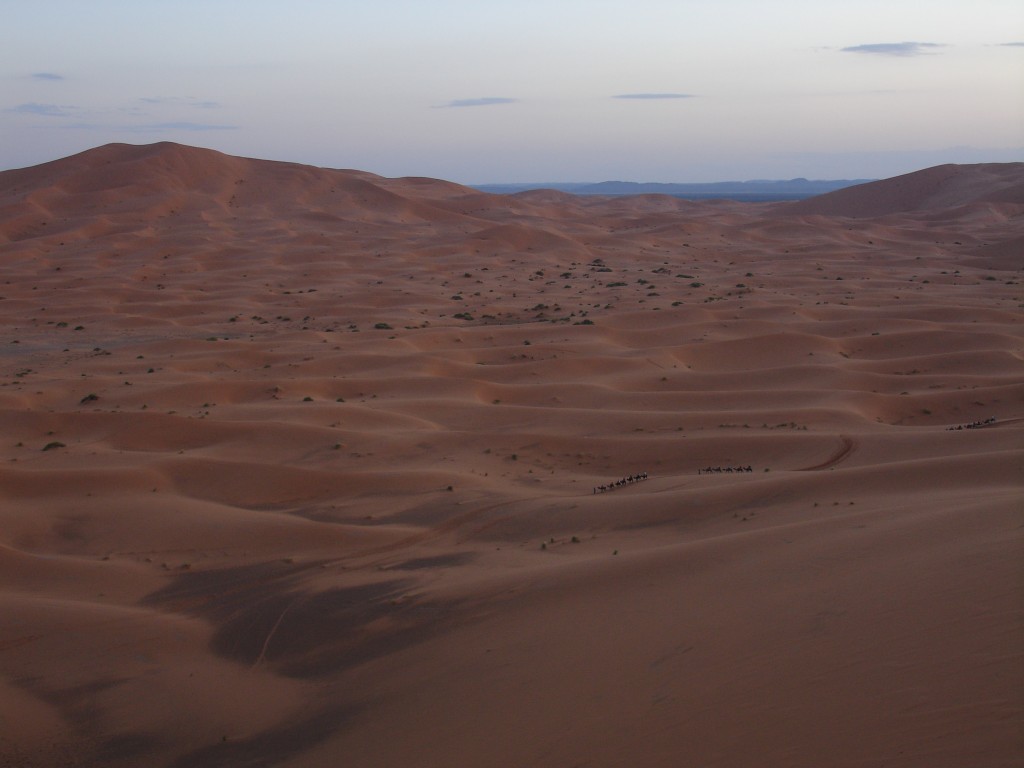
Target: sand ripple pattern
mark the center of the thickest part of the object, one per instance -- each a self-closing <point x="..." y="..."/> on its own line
<point x="301" y="467"/>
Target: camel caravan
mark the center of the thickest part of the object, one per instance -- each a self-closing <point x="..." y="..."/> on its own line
<point x="973" y="425"/>
<point x="620" y="483"/>
<point x="643" y="476"/>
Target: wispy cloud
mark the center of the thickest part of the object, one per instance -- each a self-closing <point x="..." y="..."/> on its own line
<point x="181" y="126"/>
<point x="653" y="96"/>
<point x="486" y="101"/>
<point x="166" y="127"/>
<point x="45" y="110"/>
<point x="1012" y="45"/>
<point x="187" y="101"/>
<point x="894" y="49"/>
<point x="47" y="76"/>
<point x="143" y="115"/>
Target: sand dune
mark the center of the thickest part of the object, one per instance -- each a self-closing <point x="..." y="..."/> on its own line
<point x="300" y="467"/>
<point x="944" y="186"/>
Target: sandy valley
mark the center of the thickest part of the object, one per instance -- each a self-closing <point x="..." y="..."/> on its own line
<point x="304" y="467"/>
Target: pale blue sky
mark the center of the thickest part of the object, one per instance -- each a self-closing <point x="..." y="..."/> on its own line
<point x="481" y="91"/>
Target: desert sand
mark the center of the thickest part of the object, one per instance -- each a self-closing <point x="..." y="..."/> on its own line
<point x="300" y="467"/>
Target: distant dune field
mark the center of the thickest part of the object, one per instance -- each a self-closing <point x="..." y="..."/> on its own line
<point x="307" y="467"/>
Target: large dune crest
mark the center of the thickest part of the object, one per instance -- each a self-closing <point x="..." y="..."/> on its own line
<point x="167" y="179"/>
<point x="944" y="186"/>
<point x="311" y="467"/>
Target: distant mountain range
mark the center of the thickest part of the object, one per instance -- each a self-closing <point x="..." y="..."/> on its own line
<point x="749" y="191"/>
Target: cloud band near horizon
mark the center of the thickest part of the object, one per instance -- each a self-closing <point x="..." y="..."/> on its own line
<point x="46" y="110"/>
<point x="653" y="96"/>
<point x="894" y="49"/>
<point x="485" y="101"/>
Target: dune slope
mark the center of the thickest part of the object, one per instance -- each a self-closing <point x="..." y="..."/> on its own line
<point x="944" y="186"/>
<point x="310" y="467"/>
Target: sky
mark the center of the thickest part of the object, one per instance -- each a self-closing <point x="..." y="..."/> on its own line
<point x="487" y="91"/>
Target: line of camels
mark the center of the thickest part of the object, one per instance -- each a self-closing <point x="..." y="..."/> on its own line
<point x="620" y="483"/>
<point x="640" y="476"/>
<point x="732" y="470"/>
<point x="973" y="424"/>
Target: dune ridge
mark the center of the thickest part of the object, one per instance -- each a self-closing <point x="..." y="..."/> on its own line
<point x="299" y="468"/>
<point x="943" y="186"/>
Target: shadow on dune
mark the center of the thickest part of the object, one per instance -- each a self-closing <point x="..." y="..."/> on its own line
<point x="265" y="614"/>
<point x="273" y="746"/>
<point x="268" y="614"/>
<point x="440" y="561"/>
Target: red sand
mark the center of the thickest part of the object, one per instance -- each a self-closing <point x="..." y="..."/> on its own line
<point x="323" y="446"/>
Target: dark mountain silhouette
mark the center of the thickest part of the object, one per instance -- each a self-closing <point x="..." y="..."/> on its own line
<point x="751" y="191"/>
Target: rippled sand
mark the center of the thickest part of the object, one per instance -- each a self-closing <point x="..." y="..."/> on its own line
<point x="299" y="468"/>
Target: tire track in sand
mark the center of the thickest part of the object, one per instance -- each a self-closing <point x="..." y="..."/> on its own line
<point x="845" y="449"/>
